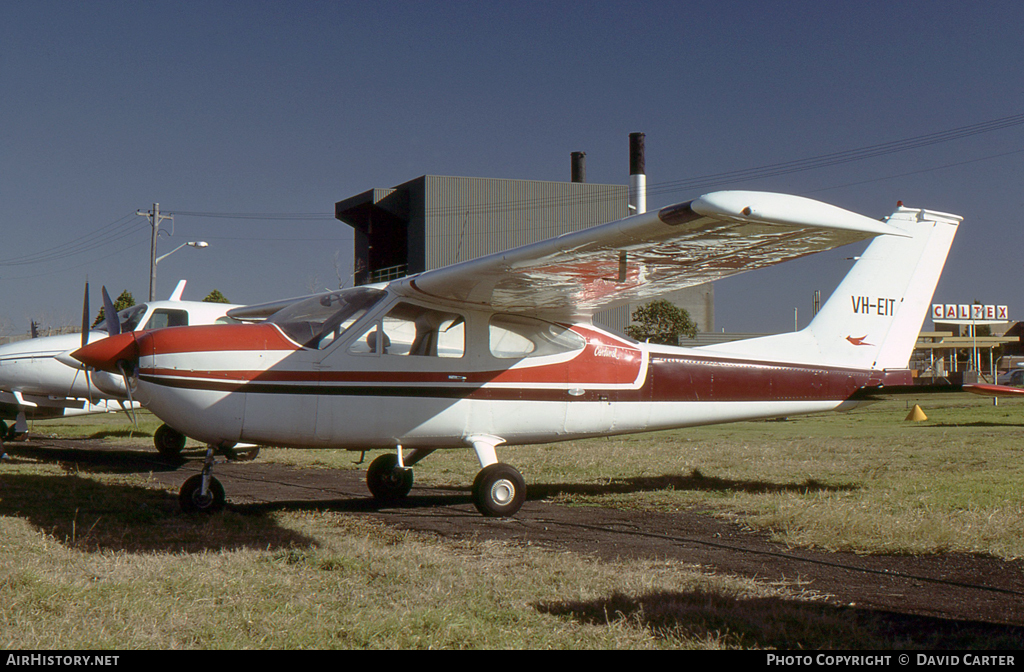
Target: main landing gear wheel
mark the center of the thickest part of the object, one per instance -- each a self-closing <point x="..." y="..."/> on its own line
<point x="169" y="442"/>
<point x="386" y="480"/>
<point x="499" y="490"/>
<point x="192" y="499"/>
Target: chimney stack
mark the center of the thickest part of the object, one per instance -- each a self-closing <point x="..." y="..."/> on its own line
<point x="637" y="174"/>
<point x="579" y="166"/>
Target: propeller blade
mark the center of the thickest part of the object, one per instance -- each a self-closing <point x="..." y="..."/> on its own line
<point x="131" y="402"/>
<point x="74" y="380"/>
<point x="88" y="383"/>
<point x="113" y="324"/>
<point x="85" y="316"/>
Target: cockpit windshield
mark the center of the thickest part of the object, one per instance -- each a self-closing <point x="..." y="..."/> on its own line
<point x="316" y="320"/>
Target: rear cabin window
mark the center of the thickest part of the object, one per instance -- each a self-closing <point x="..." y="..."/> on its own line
<point x="516" y="337"/>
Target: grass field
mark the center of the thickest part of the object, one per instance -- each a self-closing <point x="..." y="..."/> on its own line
<point x="90" y="560"/>
<point x="868" y="481"/>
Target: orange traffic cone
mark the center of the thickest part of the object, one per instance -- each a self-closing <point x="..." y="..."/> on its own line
<point x="916" y="414"/>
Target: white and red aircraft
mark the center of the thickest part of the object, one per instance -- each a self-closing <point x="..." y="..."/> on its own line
<point x="39" y="379"/>
<point x="501" y="350"/>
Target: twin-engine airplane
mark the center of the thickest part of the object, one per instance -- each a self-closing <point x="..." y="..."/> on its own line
<point x="501" y="350"/>
<point x="39" y="379"/>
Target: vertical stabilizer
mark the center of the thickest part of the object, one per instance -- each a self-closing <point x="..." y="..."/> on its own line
<point x="176" y="294"/>
<point x="873" y="318"/>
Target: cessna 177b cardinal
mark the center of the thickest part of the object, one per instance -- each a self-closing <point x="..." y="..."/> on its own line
<point x="501" y="350"/>
<point x="39" y="379"/>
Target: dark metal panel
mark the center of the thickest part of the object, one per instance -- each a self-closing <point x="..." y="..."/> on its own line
<point x="467" y="217"/>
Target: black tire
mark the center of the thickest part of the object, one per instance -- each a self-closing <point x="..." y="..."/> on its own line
<point x="386" y="480"/>
<point x="499" y="491"/>
<point x="169" y="442"/>
<point x="192" y="501"/>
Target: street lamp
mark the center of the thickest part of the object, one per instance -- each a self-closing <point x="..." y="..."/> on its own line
<point x="152" y="270"/>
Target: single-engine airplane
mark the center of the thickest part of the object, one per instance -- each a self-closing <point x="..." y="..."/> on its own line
<point x="501" y="350"/>
<point x="39" y="379"/>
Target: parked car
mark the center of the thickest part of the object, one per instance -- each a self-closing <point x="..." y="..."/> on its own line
<point x="1014" y="377"/>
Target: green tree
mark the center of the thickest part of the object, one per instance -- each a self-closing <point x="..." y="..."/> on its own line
<point x="125" y="300"/>
<point x="661" y="322"/>
<point x="215" y="297"/>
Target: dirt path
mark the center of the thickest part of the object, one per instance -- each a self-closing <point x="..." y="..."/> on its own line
<point x="962" y="588"/>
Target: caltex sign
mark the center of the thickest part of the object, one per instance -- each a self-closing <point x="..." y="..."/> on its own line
<point x="969" y="312"/>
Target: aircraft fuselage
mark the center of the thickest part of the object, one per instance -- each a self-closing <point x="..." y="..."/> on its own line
<point x="251" y="383"/>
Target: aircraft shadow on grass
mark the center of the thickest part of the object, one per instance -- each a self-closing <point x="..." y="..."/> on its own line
<point x="134" y="461"/>
<point x="427" y="497"/>
<point x="777" y="623"/>
<point x="108" y="460"/>
<point x="81" y="512"/>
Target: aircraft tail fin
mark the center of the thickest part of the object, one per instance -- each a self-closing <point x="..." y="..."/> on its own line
<point x="176" y="294"/>
<point x="873" y="318"/>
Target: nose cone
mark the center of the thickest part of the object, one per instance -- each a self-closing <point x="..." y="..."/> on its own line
<point x="105" y="353"/>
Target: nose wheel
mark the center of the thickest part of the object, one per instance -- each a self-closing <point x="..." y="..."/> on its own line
<point x="202" y="493"/>
<point x="195" y="498"/>
<point x="387" y="481"/>
<point x="169" y="442"/>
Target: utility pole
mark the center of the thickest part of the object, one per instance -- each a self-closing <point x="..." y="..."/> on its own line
<point x="154" y="220"/>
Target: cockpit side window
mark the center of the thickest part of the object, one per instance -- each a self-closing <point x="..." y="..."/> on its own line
<point x="412" y="330"/>
<point x="516" y="337"/>
<point x="164" y="317"/>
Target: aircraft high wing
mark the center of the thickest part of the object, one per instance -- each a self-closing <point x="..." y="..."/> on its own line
<point x="501" y="350"/>
<point x="575" y="275"/>
<point x="39" y="379"/>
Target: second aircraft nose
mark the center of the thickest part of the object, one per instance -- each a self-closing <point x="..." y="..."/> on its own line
<point x="106" y="353"/>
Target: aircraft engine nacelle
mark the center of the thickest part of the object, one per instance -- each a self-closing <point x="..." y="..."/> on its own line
<point x="109" y="383"/>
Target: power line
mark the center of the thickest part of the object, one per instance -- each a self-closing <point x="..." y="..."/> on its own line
<point x="116" y="252"/>
<point x="102" y="237"/>
<point x="277" y="216"/>
<point x="116" y="230"/>
<point x="846" y="156"/>
<point x="686" y="184"/>
<point x="718" y="180"/>
<point x="919" y="172"/>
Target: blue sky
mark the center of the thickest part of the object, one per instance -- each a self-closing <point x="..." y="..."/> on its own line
<point x="284" y="108"/>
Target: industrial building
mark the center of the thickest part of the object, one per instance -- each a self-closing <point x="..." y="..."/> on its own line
<point x="434" y="221"/>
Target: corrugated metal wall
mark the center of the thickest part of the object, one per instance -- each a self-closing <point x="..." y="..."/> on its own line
<point x="468" y="217"/>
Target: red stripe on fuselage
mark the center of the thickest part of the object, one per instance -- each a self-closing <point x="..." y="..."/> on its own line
<point x="214" y="338"/>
